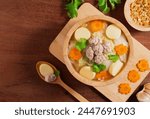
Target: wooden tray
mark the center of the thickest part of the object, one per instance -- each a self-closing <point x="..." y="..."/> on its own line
<point x="110" y="91"/>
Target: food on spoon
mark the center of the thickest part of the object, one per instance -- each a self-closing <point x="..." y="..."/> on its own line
<point x="48" y="72"/>
<point x="143" y="65"/>
<point x="45" y="69"/>
<point x="87" y="72"/>
<point x="82" y="32"/>
<point x="93" y="54"/>
<point x="133" y="76"/>
<point x="115" y="68"/>
<point x="124" y="88"/>
<point x="113" y="32"/>
<point x="121" y="49"/>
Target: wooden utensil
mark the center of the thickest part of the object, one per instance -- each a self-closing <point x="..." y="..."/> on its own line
<point x="66" y="45"/>
<point x="60" y="82"/>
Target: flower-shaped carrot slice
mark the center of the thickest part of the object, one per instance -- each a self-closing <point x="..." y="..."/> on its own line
<point x="121" y="49"/>
<point x="124" y="88"/>
<point x="75" y="54"/>
<point x="133" y="76"/>
<point x="143" y="65"/>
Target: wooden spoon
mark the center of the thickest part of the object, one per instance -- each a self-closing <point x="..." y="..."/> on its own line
<point x="60" y="82"/>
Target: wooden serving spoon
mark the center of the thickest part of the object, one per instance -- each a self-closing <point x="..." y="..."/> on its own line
<point x="59" y="82"/>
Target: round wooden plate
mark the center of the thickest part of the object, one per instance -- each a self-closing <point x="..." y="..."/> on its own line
<point x="66" y="45"/>
<point x="129" y="19"/>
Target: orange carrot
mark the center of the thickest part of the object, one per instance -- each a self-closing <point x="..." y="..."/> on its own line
<point x="133" y="76"/>
<point x="95" y="26"/>
<point x="143" y="65"/>
<point x="121" y="49"/>
<point x="124" y="88"/>
<point x="103" y="75"/>
<point x="75" y="54"/>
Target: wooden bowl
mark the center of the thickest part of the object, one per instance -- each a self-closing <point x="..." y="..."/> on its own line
<point x="69" y="64"/>
<point x="129" y="19"/>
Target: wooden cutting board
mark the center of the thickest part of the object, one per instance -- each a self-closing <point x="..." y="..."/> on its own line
<point x="110" y="91"/>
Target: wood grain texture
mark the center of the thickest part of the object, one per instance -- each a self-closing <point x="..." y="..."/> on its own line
<point x="110" y="87"/>
<point x="27" y="27"/>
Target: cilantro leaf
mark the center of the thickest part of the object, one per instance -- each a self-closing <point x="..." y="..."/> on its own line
<point x="98" y="67"/>
<point x="103" y="5"/>
<point x="72" y="8"/>
<point x="114" y="58"/>
<point x="57" y="73"/>
<point x="95" y="68"/>
<point x="81" y="44"/>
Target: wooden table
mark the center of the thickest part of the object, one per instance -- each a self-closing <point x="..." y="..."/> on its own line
<point x="27" y="27"/>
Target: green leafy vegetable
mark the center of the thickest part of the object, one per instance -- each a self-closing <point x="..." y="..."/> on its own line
<point x="103" y="5"/>
<point x="72" y="7"/>
<point x="95" y="68"/>
<point x="98" y="67"/>
<point x="114" y="58"/>
<point x="82" y="44"/>
<point x="57" y="73"/>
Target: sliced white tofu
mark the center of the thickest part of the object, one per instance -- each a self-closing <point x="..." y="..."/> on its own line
<point x="121" y="40"/>
<point x="113" y="32"/>
<point x="46" y="70"/>
<point x="107" y="63"/>
<point x="123" y="58"/>
<point x="87" y="72"/>
<point x="82" y="32"/>
<point x="115" y="68"/>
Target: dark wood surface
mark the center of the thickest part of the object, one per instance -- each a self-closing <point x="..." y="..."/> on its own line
<point x="27" y="27"/>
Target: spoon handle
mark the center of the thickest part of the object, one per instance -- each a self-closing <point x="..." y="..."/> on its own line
<point x="73" y="92"/>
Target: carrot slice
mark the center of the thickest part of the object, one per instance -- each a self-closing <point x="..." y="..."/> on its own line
<point x="103" y="75"/>
<point x="75" y="54"/>
<point x="133" y="76"/>
<point x="121" y="49"/>
<point x="124" y="88"/>
<point x="95" y="26"/>
<point x="143" y="65"/>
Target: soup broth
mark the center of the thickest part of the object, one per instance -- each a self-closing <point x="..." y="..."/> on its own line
<point x="98" y="50"/>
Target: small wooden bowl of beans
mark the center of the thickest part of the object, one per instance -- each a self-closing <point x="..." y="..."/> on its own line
<point x="137" y="14"/>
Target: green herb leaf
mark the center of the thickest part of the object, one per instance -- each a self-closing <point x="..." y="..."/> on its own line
<point x="102" y="67"/>
<point x="72" y="7"/>
<point x="82" y="44"/>
<point x="98" y="67"/>
<point x="103" y="5"/>
<point x="112" y="4"/>
<point x="114" y="58"/>
<point x="95" y="68"/>
<point x="57" y="73"/>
